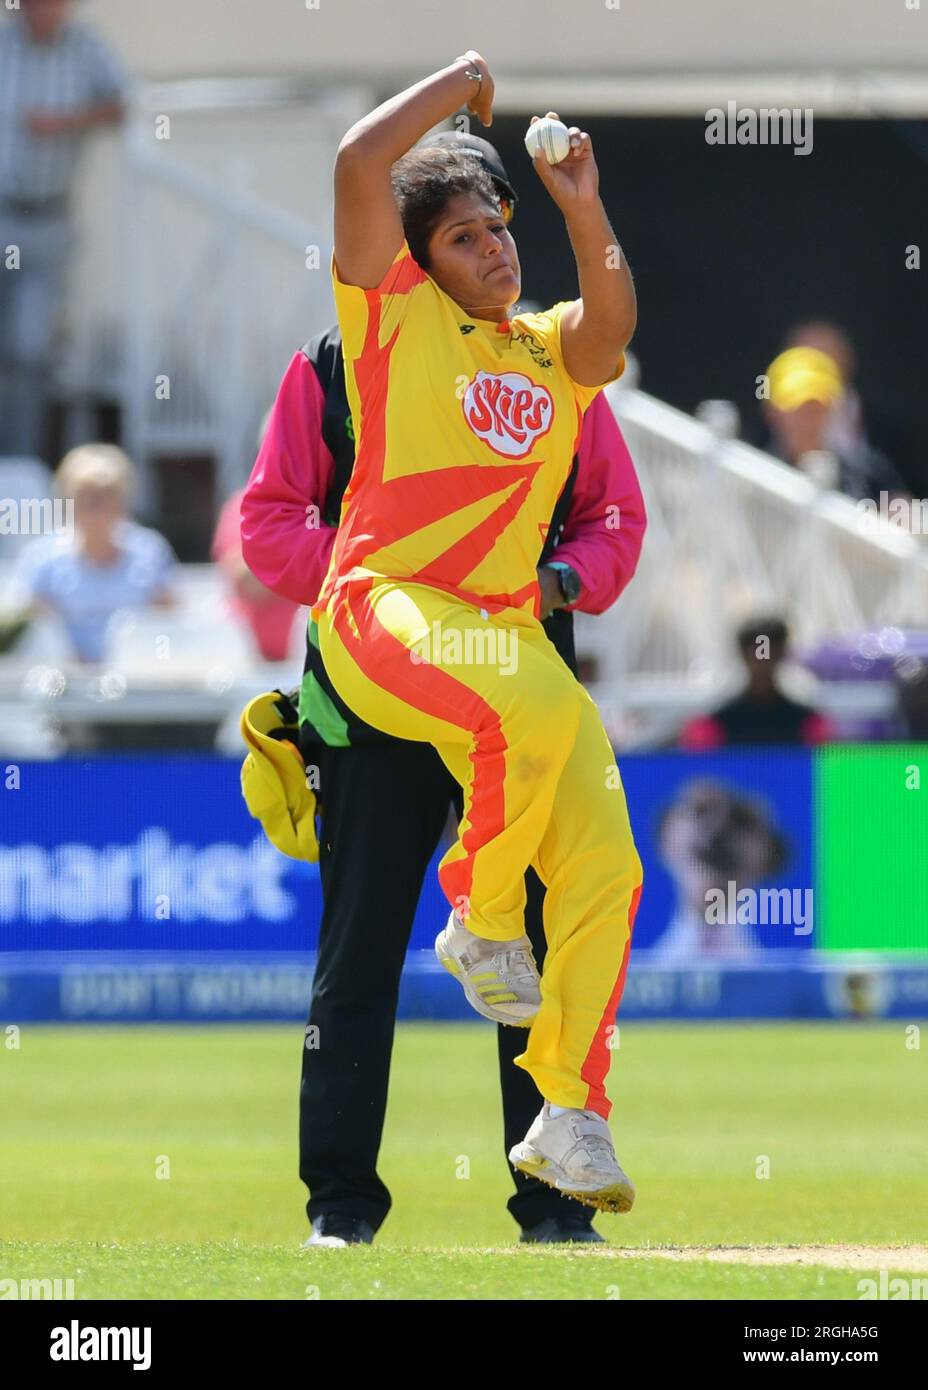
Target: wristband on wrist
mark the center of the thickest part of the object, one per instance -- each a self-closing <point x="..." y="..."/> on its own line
<point x="471" y="71"/>
<point x="568" y="580"/>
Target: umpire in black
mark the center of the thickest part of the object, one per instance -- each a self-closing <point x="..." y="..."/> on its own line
<point x="384" y="802"/>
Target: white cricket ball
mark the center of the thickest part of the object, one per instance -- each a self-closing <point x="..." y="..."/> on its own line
<point x="548" y="135"/>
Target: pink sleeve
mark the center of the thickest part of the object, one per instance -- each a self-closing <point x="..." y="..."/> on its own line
<point x="606" y="522"/>
<point x="282" y="545"/>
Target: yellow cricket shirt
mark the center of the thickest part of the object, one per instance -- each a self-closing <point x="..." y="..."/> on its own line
<point x="466" y="430"/>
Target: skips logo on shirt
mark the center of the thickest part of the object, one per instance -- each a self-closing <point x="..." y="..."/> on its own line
<point x="509" y="412"/>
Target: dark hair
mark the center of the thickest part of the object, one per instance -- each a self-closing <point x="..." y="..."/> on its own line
<point x="772" y="627"/>
<point x="424" y="182"/>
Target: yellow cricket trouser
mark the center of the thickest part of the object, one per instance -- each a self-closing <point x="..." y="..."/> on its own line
<point x="525" y="741"/>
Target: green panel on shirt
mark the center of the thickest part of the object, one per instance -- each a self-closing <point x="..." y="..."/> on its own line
<point x="316" y="707"/>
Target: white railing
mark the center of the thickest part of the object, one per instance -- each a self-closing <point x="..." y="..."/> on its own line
<point x="733" y="533"/>
<point x="217" y="289"/>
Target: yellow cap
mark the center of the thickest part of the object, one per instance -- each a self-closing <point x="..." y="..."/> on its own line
<point x="803" y="374"/>
<point x="274" y="778"/>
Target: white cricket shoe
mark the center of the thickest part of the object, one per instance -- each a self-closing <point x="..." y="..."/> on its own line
<point x="500" y="978"/>
<point x="573" y="1152"/>
<point x="338" y="1232"/>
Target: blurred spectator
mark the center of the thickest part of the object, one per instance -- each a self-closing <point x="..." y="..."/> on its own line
<point x="269" y="618"/>
<point x="812" y="413"/>
<point x="912" y="700"/>
<point x="109" y="563"/>
<point x="761" y="714"/>
<point x="862" y="423"/>
<point x="57" y="82"/>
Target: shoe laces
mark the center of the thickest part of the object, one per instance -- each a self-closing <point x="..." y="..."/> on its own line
<point x="595" y="1144"/>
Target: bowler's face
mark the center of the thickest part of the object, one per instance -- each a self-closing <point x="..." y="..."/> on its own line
<point x="472" y="256"/>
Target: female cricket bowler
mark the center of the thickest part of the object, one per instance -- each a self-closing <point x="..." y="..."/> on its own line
<point x="468" y="425"/>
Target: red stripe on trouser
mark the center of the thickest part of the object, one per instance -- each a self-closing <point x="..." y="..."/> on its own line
<point x="433" y="691"/>
<point x="596" y="1063"/>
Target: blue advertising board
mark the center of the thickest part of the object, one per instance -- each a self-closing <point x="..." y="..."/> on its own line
<point x="149" y="854"/>
<point x="140" y="888"/>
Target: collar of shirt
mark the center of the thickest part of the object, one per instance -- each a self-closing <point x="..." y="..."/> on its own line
<point x="491" y="326"/>
<point x="496" y="334"/>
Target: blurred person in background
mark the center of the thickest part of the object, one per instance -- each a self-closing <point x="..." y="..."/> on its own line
<point x="814" y="425"/>
<point x="110" y="562"/>
<point x="58" y="82"/>
<point x="863" y="426"/>
<point x="761" y="714"/>
<point x="911" y="684"/>
<point x="372" y="866"/>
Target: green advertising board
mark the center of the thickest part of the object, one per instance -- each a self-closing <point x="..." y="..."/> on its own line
<point x="872" y="847"/>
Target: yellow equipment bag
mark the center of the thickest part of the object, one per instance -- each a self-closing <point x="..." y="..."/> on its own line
<point x="274" y="776"/>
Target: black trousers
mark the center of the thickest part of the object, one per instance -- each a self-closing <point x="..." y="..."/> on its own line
<point x="383" y="809"/>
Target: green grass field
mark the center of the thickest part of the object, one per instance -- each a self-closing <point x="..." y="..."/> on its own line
<point x="92" y="1115"/>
